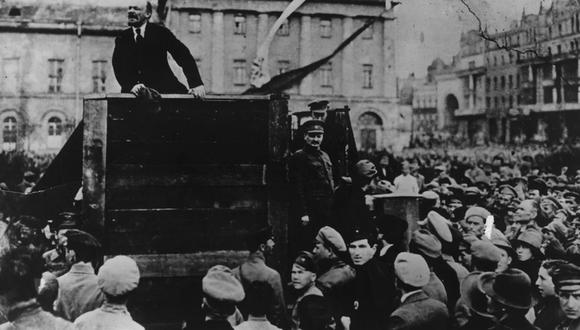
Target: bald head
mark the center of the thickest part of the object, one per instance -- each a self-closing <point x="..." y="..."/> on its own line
<point x="138" y="12"/>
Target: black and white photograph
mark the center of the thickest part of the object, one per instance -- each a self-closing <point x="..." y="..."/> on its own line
<point x="290" y="164"/>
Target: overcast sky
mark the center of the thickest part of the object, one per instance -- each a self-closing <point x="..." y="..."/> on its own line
<point x="431" y="28"/>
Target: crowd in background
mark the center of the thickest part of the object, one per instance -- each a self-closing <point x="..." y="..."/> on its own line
<point x="495" y="246"/>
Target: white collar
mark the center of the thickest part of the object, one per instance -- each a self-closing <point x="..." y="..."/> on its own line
<point x="406" y="295"/>
<point x="142" y="28"/>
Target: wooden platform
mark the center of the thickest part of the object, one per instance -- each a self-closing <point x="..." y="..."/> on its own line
<point x="179" y="185"/>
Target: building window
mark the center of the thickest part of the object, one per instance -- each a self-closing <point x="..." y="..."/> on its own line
<point x="494" y="83"/>
<point x="283" y="66"/>
<point x="560" y="29"/>
<point x="54" y="133"/>
<point x="195" y="23"/>
<point x="487" y="102"/>
<point x="368" y="32"/>
<point x="367" y="76"/>
<point x="510" y="81"/>
<point x="240" y="24"/>
<point x="325" y="28"/>
<point x="511" y="98"/>
<point x="14" y="11"/>
<point x="495" y="102"/>
<point x="326" y="75"/>
<point x="284" y="29"/>
<point x="99" y="76"/>
<point x="502" y="83"/>
<point x="487" y="84"/>
<point x="240" y="74"/>
<point x="495" y="60"/>
<point x="10" y="82"/>
<point x="559" y="47"/>
<point x="55" y="74"/>
<point x="9" y="133"/>
<point x="370" y="126"/>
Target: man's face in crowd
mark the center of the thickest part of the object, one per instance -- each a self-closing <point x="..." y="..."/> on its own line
<point x="545" y="284"/>
<point x="454" y="204"/>
<point x="524" y="252"/>
<point x="321" y="252"/>
<point x="268" y="247"/>
<point x="361" y="251"/>
<point x="570" y="301"/>
<point x="504" y="261"/>
<point x="301" y="278"/>
<point x="314" y="139"/>
<point x="137" y="13"/>
<point x="525" y="212"/>
<point x="475" y="225"/>
<point x="504" y="199"/>
<point x="548" y="208"/>
<point x="533" y="193"/>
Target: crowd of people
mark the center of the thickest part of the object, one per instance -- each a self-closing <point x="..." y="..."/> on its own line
<point x="495" y="245"/>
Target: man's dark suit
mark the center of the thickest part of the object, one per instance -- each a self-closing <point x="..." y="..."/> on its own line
<point x="146" y="62"/>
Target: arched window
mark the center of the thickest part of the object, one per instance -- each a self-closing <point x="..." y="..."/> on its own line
<point x="54" y="132"/>
<point x="9" y="133"/>
<point x="370" y="125"/>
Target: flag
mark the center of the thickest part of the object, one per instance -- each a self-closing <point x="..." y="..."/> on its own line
<point x="259" y="67"/>
<point x="288" y="79"/>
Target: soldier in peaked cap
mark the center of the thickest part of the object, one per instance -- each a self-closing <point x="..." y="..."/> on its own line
<point x="312" y="180"/>
<point x="318" y="109"/>
<point x="566" y="280"/>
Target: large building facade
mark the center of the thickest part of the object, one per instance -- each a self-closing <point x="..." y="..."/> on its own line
<point x="55" y="52"/>
<point x="517" y="85"/>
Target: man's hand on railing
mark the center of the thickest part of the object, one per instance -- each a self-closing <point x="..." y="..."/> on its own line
<point x="198" y="92"/>
<point x="137" y="88"/>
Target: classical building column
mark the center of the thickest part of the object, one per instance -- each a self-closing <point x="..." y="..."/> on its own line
<point x="389" y="76"/>
<point x="217" y="53"/>
<point x="348" y="63"/>
<point x="306" y="53"/>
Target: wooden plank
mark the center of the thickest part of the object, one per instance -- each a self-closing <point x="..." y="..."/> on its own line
<point x="209" y="97"/>
<point x="128" y="152"/>
<point x="278" y="199"/>
<point x="186" y="175"/>
<point x="94" y="164"/>
<point x="179" y="230"/>
<point x="185" y="264"/>
<point x="223" y="197"/>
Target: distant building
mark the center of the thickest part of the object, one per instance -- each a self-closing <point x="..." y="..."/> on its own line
<point x="518" y="85"/>
<point x="56" y="51"/>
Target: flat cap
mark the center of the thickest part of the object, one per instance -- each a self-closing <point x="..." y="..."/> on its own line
<point x="485" y="250"/>
<point x="306" y="260"/>
<point x="440" y="227"/>
<point x="430" y="194"/>
<point x="412" y="269"/>
<point x="118" y="275"/>
<point x="530" y="237"/>
<point x="477" y="211"/>
<point x="331" y="238"/>
<point x="318" y="105"/>
<point x="550" y="200"/>
<point x="220" y="284"/>
<point x="426" y="243"/>
<point x="507" y="190"/>
<point x="313" y="126"/>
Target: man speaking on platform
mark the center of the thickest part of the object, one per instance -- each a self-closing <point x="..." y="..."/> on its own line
<point x="140" y="56"/>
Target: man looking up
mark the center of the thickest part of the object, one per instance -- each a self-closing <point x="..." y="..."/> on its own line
<point x="140" y="56"/>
